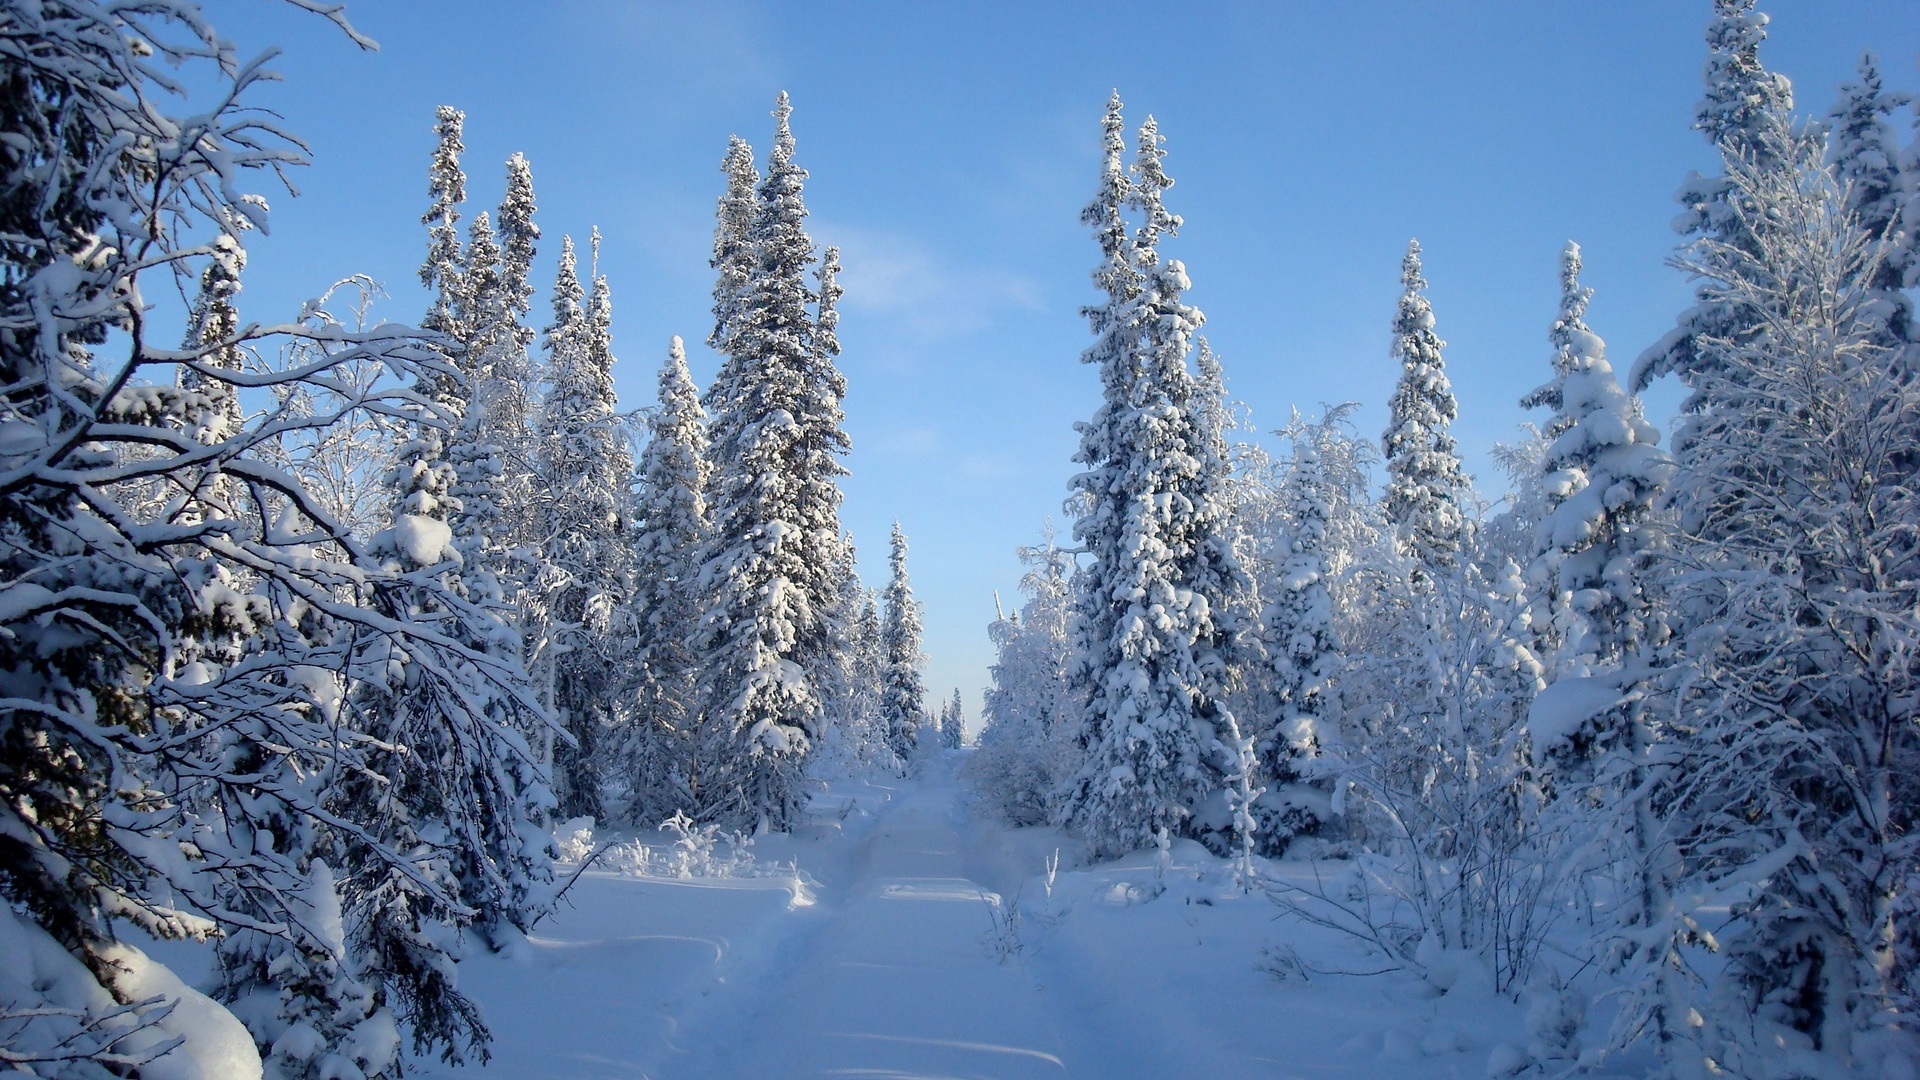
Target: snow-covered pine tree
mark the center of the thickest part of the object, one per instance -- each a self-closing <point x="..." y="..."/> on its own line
<point x="212" y="324"/>
<point x="584" y="467"/>
<point x="1426" y="489"/>
<point x="461" y="786"/>
<point x="1153" y="657"/>
<point x="769" y="569"/>
<point x="817" y="501"/>
<point x="1742" y="99"/>
<point x="1305" y="652"/>
<point x="519" y="240"/>
<point x="664" y="607"/>
<point x="508" y="379"/>
<point x="953" y="722"/>
<point x="447" y="190"/>
<point x="1792" y="789"/>
<point x="733" y="255"/>
<point x="1865" y="156"/>
<point x="1605" y="470"/>
<point x="475" y="448"/>
<point x="854" y="692"/>
<point x="903" y="700"/>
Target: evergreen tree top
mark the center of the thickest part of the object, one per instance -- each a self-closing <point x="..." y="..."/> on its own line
<point x="778" y="231"/>
<point x="826" y="341"/>
<point x="1866" y="160"/>
<point x="903" y="612"/>
<point x="678" y="395"/>
<point x="1115" y="275"/>
<point x="732" y="251"/>
<point x="599" y="329"/>
<point x="518" y="235"/>
<point x="1415" y="344"/>
<point x="482" y="264"/>
<point x="1740" y="91"/>
<point x="1569" y="331"/>
<point x="568" y="297"/>
<point x="446" y="190"/>
<point x="1148" y="181"/>
<point x="1425" y="484"/>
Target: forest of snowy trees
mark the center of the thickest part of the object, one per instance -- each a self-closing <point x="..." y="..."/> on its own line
<point x="313" y="629"/>
<point x="1664" y="693"/>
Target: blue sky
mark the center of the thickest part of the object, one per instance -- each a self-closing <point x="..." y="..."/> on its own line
<point x="951" y="147"/>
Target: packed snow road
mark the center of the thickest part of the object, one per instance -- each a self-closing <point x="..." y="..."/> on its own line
<point x="891" y="977"/>
<point x="909" y="941"/>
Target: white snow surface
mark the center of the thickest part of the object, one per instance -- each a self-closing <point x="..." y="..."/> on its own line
<point x="885" y="953"/>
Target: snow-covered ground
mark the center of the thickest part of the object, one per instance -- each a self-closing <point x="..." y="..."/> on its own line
<point x="913" y="939"/>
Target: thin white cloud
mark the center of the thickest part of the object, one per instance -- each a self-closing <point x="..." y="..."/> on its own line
<point x="900" y="280"/>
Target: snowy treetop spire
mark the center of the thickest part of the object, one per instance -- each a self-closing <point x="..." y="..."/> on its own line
<point x="1425" y="484"/>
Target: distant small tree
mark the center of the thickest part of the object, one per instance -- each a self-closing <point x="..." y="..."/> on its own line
<point x="903" y="705"/>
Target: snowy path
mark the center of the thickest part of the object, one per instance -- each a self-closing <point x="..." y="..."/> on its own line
<point x="891" y="979"/>
<point x="890" y="962"/>
<point x="896" y="977"/>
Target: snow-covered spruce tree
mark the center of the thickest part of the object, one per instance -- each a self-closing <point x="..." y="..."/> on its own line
<point x="1306" y="657"/>
<point x="1791" y="796"/>
<point x="855" y="691"/>
<point x="1596" y="732"/>
<point x="903" y="698"/>
<point x="449" y="777"/>
<point x="1604" y="470"/>
<point x="1152" y="656"/>
<point x="583" y="470"/>
<point x="953" y="722"/>
<point x="1865" y="156"/>
<point x="447" y="188"/>
<point x="1742" y="99"/>
<point x="175" y="677"/>
<point x="1228" y="482"/>
<point x="1025" y="746"/>
<point x="474" y="448"/>
<point x="818" y="497"/>
<point x="211" y="325"/>
<point x="519" y="240"/>
<point x="1425" y="485"/>
<point x="733" y="254"/>
<point x="672" y="532"/>
<point x="507" y="379"/>
<point x="769" y="567"/>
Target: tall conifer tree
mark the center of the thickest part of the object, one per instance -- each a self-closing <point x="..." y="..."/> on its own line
<point x="672" y="533"/>
<point x="1152" y="653"/>
<point x="769" y="573"/>
<point x="584" y="466"/>
<point x="1426" y="488"/>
